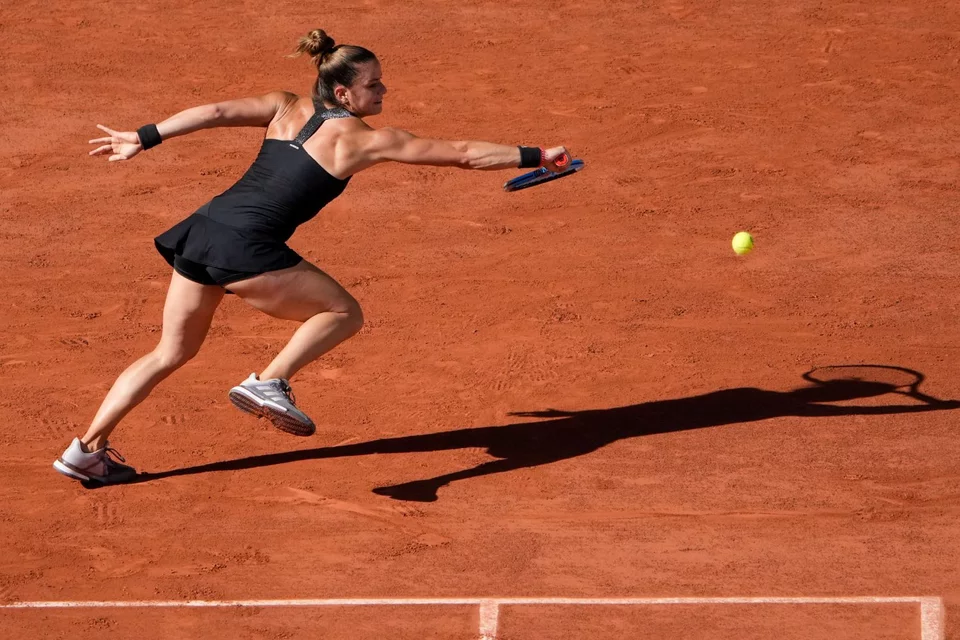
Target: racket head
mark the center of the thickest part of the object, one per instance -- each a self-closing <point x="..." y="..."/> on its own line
<point x="541" y="176"/>
<point x="899" y="378"/>
<point x="865" y="380"/>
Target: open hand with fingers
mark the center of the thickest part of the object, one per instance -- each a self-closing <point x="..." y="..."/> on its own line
<point x="121" y="145"/>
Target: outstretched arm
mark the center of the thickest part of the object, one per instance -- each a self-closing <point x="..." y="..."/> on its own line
<point x="246" y="112"/>
<point x="388" y="144"/>
<point x="258" y="111"/>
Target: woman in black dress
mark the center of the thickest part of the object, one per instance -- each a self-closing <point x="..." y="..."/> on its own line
<point x="237" y="241"/>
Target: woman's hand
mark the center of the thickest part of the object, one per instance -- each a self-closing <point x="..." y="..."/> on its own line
<point x="550" y="157"/>
<point x="122" y="145"/>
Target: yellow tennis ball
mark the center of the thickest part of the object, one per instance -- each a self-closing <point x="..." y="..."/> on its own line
<point x="742" y="243"/>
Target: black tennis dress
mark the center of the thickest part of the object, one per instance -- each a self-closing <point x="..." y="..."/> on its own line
<point x="243" y="231"/>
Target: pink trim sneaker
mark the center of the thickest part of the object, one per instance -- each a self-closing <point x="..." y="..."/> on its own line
<point x="94" y="466"/>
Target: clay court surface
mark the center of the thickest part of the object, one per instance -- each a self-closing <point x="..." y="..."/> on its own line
<point x="574" y="391"/>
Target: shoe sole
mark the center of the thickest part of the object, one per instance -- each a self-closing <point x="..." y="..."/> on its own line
<point x="70" y="473"/>
<point x="76" y="475"/>
<point x="280" y="419"/>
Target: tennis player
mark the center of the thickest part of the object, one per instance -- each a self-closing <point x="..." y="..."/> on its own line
<point x="236" y="242"/>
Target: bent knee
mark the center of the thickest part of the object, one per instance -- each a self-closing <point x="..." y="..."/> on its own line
<point x="353" y="317"/>
<point x="171" y="358"/>
<point x="349" y="312"/>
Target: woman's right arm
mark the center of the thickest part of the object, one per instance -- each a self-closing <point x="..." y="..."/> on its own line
<point x="258" y="111"/>
<point x="396" y="145"/>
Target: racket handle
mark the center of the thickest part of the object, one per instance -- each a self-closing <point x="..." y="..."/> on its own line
<point x="562" y="160"/>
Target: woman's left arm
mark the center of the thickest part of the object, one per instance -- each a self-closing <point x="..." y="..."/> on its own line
<point x="257" y="111"/>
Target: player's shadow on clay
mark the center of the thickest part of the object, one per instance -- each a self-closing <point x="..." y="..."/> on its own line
<point x="567" y="434"/>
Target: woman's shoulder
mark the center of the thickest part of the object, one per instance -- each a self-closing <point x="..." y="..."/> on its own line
<point x="282" y="97"/>
<point x="284" y="103"/>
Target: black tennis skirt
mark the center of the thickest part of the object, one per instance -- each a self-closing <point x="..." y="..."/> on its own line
<point x="232" y="252"/>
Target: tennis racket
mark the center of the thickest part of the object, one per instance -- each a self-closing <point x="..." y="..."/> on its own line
<point x="897" y="379"/>
<point x="540" y="176"/>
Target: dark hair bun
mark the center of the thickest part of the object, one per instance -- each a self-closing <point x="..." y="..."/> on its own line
<point x="316" y="44"/>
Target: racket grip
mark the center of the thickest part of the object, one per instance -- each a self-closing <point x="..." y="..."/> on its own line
<point x="562" y="160"/>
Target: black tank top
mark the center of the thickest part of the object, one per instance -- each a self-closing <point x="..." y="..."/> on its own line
<point x="283" y="188"/>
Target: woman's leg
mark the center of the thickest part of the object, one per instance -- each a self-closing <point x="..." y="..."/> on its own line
<point x="305" y="294"/>
<point x="187" y="314"/>
<point x="329" y="315"/>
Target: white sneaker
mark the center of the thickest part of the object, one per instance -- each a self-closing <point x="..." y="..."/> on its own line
<point x="94" y="466"/>
<point x="272" y="399"/>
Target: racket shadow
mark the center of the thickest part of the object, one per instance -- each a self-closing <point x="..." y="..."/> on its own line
<point x="561" y="435"/>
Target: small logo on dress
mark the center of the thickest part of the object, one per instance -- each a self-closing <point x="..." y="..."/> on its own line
<point x="295" y="146"/>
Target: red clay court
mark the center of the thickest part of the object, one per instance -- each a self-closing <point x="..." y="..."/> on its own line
<point x="574" y="412"/>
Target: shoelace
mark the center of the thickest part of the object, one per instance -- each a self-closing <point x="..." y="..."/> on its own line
<point x="287" y="391"/>
<point x="107" y="452"/>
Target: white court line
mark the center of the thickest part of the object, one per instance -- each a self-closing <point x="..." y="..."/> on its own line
<point x="489" y="619"/>
<point x="932" y="619"/>
<point x="932" y="614"/>
<point x="343" y="602"/>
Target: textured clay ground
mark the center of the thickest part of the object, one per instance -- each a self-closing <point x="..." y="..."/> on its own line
<point x="576" y="390"/>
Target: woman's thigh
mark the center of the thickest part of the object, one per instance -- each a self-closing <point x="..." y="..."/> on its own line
<point x="187" y="314"/>
<point x="297" y="293"/>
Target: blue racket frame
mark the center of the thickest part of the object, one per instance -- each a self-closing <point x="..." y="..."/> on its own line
<point x="540" y="176"/>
